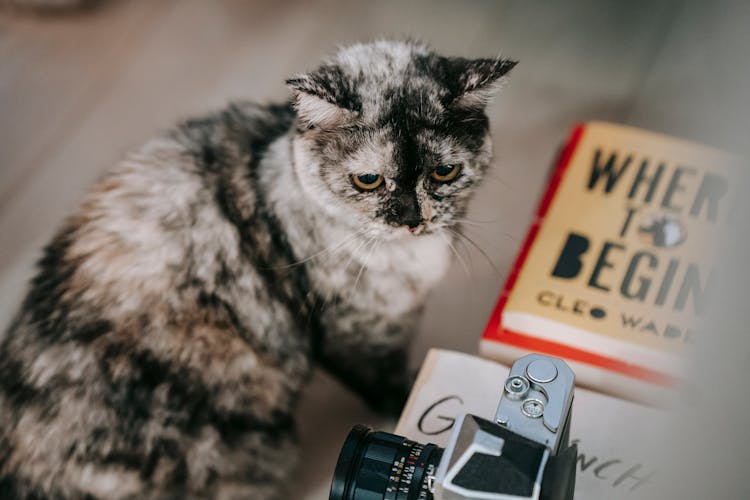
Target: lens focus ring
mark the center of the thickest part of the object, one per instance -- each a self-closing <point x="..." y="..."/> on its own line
<point x="379" y="465"/>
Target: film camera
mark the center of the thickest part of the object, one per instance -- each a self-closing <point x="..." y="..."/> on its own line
<point x="523" y="453"/>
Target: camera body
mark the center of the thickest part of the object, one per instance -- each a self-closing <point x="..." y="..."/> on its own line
<point x="523" y="453"/>
<point x="510" y="456"/>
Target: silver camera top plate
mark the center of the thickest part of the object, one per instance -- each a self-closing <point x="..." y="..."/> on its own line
<point x="537" y="398"/>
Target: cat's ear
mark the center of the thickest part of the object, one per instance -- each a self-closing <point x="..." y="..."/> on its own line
<point x="322" y="98"/>
<point x="473" y="82"/>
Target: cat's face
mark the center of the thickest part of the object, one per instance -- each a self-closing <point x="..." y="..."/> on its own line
<point x="394" y="138"/>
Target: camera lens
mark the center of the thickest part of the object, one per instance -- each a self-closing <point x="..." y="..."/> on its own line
<point x="383" y="466"/>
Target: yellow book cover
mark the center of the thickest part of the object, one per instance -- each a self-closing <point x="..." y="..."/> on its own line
<point x="618" y="265"/>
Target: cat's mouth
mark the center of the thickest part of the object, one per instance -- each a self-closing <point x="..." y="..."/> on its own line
<point x="423" y="228"/>
<point x="418" y="230"/>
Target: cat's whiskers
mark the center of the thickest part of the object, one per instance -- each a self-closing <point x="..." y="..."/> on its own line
<point x="374" y="243"/>
<point x="489" y="176"/>
<point x="476" y="221"/>
<point x="332" y="248"/>
<point x="329" y="296"/>
<point x="458" y="256"/>
<point x="483" y="224"/>
<point x="322" y="302"/>
<point x="471" y="222"/>
<point x="354" y="252"/>
<point x="480" y="249"/>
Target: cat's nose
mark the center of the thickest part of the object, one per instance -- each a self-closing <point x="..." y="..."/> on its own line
<point x="405" y="211"/>
<point x="412" y="223"/>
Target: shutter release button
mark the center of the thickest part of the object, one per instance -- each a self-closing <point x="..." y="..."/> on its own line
<point x="541" y="371"/>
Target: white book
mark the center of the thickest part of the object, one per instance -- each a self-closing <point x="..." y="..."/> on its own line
<point x="612" y="434"/>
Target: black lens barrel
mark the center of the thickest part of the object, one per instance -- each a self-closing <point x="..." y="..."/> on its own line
<point x="383" y="466"/>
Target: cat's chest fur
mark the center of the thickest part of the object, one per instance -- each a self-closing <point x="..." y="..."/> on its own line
<point x="391" y="278"/>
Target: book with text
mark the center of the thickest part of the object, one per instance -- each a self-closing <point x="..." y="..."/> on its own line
<point x="617" y="267"/>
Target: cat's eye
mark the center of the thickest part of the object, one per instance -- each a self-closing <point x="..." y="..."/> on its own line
<point x="446" y="173"/>
<point x="367" y="182"/>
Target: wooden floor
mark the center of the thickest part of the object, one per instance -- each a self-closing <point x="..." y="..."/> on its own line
<point x="78" y="91"/>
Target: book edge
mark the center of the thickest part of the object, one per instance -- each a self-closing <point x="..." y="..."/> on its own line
<point x="537" y="327"/>
<point x="593" y="378"/>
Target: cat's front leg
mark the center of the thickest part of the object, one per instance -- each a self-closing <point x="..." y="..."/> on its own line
<point x="371" y="358"/>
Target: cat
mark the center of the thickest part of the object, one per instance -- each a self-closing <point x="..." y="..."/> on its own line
<point x="176" y="316"/>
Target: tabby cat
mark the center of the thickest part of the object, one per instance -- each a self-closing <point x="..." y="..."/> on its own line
<point x="177" y="315"/>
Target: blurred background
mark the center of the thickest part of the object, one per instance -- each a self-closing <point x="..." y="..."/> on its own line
<point x="79" y="89"/>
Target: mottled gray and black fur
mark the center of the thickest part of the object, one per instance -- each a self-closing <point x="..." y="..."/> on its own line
<point x="176" y="316"/>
